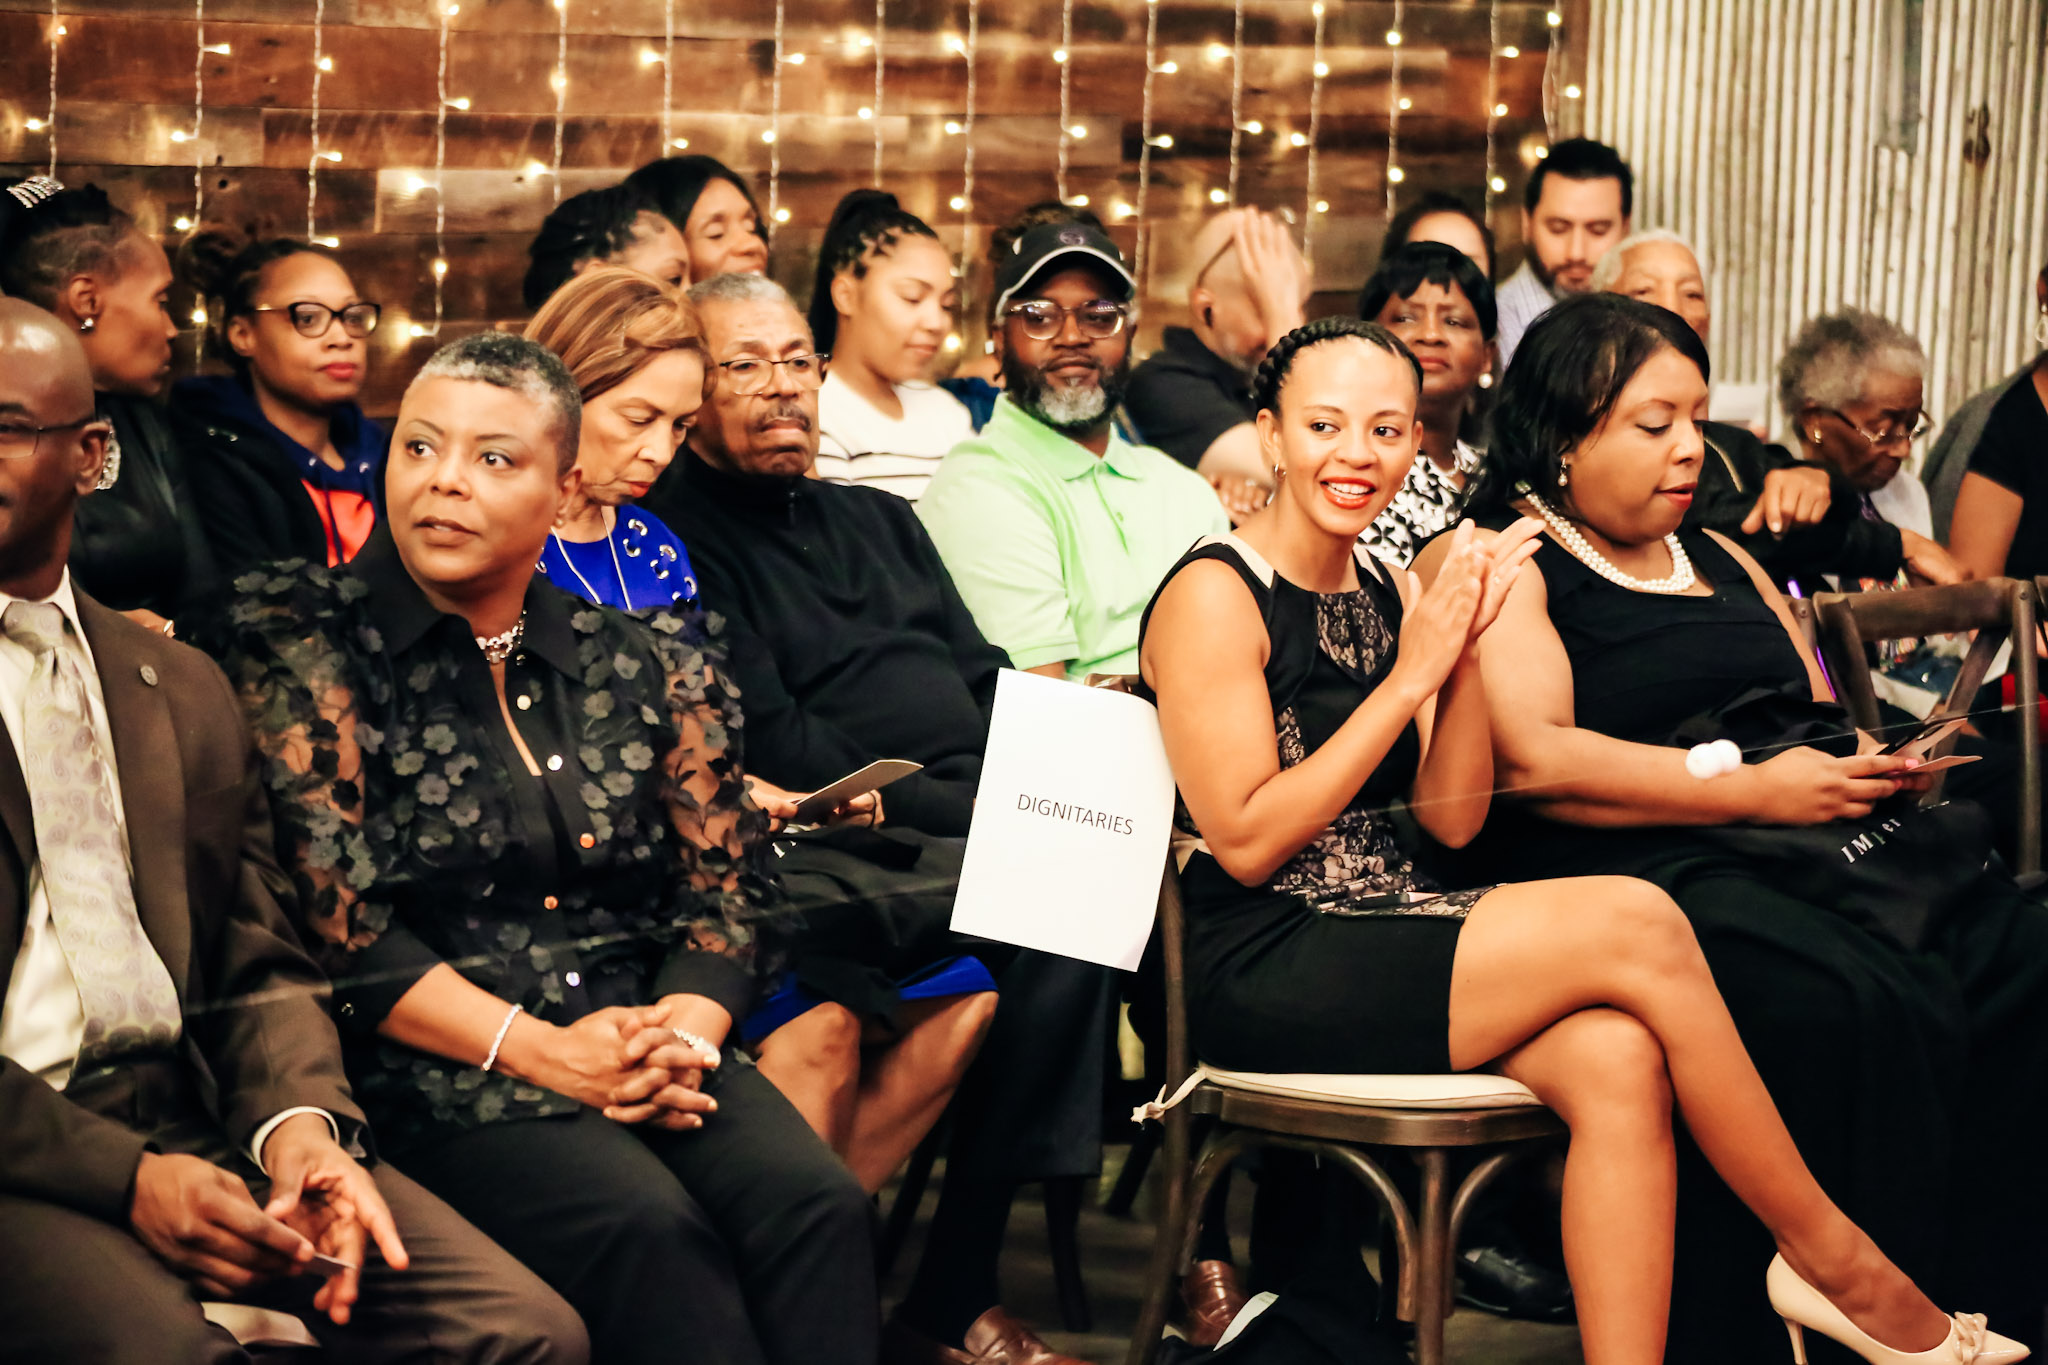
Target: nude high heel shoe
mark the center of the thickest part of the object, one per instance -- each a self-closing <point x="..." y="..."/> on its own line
<point x="1802" y="1306"/>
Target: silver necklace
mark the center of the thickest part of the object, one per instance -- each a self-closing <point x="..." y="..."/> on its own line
<point x="625" y="593"/>
<point x="1680" y="579"/>
<point x="498" y="648"/>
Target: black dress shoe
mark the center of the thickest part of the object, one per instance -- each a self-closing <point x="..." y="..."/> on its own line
<point x="1510" y="1283"/>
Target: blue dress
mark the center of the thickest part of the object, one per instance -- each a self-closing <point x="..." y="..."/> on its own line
<point x="641" y="565"/>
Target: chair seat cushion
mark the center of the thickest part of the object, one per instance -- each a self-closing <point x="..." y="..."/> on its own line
<point x="1467" y="1090"/>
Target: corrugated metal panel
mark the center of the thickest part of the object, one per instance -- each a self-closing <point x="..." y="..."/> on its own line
<point x="1812" y="170"/>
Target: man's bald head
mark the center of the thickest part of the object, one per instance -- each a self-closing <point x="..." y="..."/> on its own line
<point x="54" y="446"/>
<point x="35" y="346"/>
<point x="1224" y="298"/>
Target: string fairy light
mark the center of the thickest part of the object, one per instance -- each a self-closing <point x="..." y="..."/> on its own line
<point x="1315" y="206"/>
<point x="1494" y="108"/>
<point x="441" y="106"/>
<point x="1064" y="57"/>
<point x="560" y="80"/>
<point x="1551" y="63"/>
<point x="1236" y="96"/>
<point x="668" y="73"/>
<point x="881" y="21"/>
<point x="1395" y="175"/>
<point x="773" y="137"/>
<point x="968" y="50"/>
<point x="50" y="121"/>
<point x="198" y="113"/>
<point x="1145" y="141"/>
<point x="314" y="158"/>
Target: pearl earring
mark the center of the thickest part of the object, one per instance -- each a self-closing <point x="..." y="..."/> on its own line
<point x="88" y="324"/>
<point x="1486" y="379"/>
<point x="1564" y="476"/>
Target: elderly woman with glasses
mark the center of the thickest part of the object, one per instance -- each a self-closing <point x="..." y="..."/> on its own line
<point x="1851" y="386"/>
<point x="283" y="463"/>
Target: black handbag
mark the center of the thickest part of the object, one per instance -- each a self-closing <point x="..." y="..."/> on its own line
<point x="1897" y="872"/>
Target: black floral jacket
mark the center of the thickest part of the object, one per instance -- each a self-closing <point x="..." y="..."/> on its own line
<point x="633" y="867"/>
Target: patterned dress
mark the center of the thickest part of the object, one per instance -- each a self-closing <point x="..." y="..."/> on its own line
<point x="1427" y="503"/>
<point x="632" y="867"/>
<point x="1341" y="960"/>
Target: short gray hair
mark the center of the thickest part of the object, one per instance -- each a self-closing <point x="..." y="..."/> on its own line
<point x="1830" y="360"/>
<point x="1612" y="262"/>
<point x="506" y="360"/>
<point x="734" y="288"/>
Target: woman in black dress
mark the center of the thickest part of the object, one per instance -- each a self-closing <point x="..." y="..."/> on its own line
<point x="519" y="827"/>
<point x="1909" y="1067"/>
<point x="1300" y="692"/>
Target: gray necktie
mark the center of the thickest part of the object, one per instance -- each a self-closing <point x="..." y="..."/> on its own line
<point x="129" y="1002"/>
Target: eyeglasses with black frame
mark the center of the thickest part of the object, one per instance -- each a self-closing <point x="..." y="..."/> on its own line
<point x="19" y="439"/>
<point x="1898" y="428"/>
<point x="310" y="319"/>
<point x="751" y="374"/>
<point x="1042" y="319"/>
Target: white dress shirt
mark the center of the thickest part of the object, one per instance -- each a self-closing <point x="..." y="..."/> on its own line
<point x="42" y="1022"/>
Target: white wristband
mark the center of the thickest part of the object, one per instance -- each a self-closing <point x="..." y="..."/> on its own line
<point x="499" y="1041"/>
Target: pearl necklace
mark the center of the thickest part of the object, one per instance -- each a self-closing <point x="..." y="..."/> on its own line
<point x="498" y="648"/>
<point x="1680" y="579"/>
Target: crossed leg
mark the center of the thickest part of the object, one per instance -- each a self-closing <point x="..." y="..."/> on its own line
<point x="1593" y="992"/>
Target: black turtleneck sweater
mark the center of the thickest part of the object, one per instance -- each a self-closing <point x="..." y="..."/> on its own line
<point x="848" y="639"/>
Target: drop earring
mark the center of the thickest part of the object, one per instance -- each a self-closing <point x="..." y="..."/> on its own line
<point x="88" y="324"/>
<point x="1564" y="476"/>
<point x="2041" y="327"/>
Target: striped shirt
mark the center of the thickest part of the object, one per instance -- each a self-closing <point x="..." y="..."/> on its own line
<point x="858" y="445"/>
<point x="1522" y="300"/>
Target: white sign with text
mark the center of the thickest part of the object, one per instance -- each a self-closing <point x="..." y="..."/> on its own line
<point x="1071" y="823"/>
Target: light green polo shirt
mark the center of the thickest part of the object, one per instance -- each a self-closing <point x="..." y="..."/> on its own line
<point x="1057" y="551"/>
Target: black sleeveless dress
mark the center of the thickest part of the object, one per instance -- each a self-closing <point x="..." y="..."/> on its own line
<point x="1341" y="962"/>
<point x="1887" y="1064"/>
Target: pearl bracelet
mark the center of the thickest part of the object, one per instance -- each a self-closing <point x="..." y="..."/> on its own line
<point x="499" y="1041"/>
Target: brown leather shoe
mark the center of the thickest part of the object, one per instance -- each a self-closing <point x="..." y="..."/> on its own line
<point x="996" y="1338"/>
<point x="1213" y="1297"/>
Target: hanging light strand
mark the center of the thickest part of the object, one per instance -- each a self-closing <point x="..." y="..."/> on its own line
<point x="881" y="21"/>
<point x="313" y="159"/>
<point x="967" y="125"/>
<point x="198" y="112"/>
<point x="773" y="137"/>
<point x="560" y="81"/>
<point x="1065" y="58"/>
<point x="1394" y="172"/>
<point x="1313" y="209"/>
<point x="1493" y="105"/>
<point x="50" y="122"/>
<point x="1552" y="61"/>
<point x="1145" y="134"/>
<point x="1236" y="94"/>
<point x="440" y="266"/>
<point x="668" y="75"/>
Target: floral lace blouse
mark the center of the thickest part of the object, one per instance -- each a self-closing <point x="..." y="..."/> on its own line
<point x="631" y="868"/>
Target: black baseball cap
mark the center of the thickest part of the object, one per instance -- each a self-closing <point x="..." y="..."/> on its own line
<point x="1049" y="242"/>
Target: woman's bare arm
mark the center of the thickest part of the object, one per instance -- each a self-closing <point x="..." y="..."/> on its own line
<point x="1204" y="657"/>
<point x="1987" y="516"/>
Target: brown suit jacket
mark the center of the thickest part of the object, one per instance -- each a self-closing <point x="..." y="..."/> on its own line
<point x="257" y="1036"/>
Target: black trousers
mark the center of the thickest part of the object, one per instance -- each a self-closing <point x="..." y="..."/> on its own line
<point x="76" y="1289"/>
<point x="746" y="1242"/>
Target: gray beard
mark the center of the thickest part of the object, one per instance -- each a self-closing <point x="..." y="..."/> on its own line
<point x="1066" y="410"/>
<point x="1058" y="406"/>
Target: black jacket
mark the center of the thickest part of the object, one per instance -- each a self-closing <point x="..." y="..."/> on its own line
<point x="1845" y="542"/>
<point x="139" y="543"/>
<point x="250" y="493"/>
<point x="848" y="638"/>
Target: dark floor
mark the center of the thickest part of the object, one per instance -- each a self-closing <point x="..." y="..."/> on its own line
<point x="1114" y="1254"/>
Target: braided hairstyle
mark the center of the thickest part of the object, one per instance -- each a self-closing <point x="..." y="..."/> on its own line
<point x="595" y="225"/>
<point x="225" y="268"/>
<point x="50" y="235"/>
<point x="1279" y="361"/>
<point x="867" y="223"/>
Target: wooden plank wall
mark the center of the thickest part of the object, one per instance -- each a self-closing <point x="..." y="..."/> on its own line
<point x="125" y="80"/>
